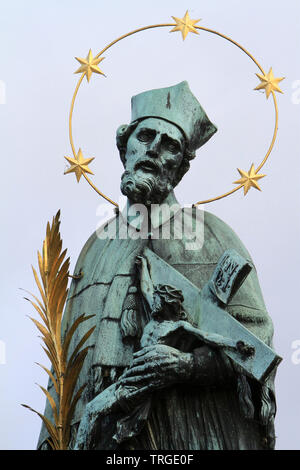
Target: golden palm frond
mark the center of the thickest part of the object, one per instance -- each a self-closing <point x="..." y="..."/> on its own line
<point x="52" y="286"/>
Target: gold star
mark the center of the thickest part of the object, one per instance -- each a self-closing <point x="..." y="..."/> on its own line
<point x="89" y="65"/>
<point x="79" y="165"/>
<point x="249" y="179"/>
<point x="185" y="25"/>
<point x="269" y="83"/>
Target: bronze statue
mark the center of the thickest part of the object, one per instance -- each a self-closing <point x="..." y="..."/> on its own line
<point x="157" y="394"/>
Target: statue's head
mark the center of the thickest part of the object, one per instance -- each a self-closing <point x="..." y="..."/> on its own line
<point x="167" y="303"/>
<point x="168" y="125"/>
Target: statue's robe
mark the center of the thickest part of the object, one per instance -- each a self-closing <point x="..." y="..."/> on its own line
<point x="182" y="417"/>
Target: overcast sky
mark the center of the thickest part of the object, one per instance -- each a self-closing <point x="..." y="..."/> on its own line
<point x="38" y="43"/>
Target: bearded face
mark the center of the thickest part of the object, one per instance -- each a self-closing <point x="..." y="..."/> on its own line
<point x="154" y="153"/>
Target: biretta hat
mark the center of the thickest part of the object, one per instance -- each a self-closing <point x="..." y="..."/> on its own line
<point x="178" y="105"/>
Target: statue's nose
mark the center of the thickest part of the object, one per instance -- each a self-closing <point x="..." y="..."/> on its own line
<point x="154" y="148"/>
<point x="152" y="153"/>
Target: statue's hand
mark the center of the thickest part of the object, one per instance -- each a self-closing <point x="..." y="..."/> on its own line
<point x="156" y="367"/>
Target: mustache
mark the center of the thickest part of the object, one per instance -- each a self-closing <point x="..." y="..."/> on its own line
<point x="148" y="165"/>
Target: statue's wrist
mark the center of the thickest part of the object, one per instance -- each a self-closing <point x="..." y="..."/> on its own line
<point x="211" y="369"/>
<point x="187" y="366"/>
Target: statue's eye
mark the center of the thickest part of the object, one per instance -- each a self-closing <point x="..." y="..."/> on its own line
<point x="172" y="147"/>
<point x="145" y="136"/>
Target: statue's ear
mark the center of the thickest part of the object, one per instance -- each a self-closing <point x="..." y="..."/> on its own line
<point x="121" y="140"/>
<point x="121" y="131"/>
<point x="122" y="135"/>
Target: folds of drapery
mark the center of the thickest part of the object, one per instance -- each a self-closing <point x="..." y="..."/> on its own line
<point x="108" y="268"/>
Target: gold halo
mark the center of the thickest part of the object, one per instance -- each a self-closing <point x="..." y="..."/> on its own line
<point x="163" y="25"/>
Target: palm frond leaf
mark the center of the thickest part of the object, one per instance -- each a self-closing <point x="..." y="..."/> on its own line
<point x="52" y="404"/>
<point x="50" y="427"/>
<point x="70" y="413"/>
<point x="53" y="289"/>
<point x="80" y="344"/>
<point x="68" y="338"/>
<point x="54" y="381"/>
<point x="71" y="376"/>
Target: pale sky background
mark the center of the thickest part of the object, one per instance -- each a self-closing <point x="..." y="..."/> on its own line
<point x="38" y="42"/>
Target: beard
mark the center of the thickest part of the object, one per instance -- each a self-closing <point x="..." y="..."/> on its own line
<point x="146" y="186"/>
